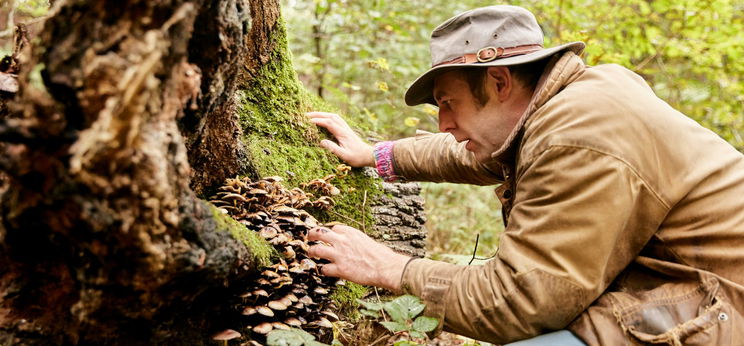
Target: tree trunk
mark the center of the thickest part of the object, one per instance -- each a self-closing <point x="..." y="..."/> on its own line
<point x="146" y="107"/>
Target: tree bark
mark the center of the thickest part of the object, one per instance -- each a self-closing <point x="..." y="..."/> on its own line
<point x="103" y="239"/>
<point x="105" y="236"/>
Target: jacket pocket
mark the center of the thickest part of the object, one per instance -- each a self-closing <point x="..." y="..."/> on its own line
<point x="679" y="314"/>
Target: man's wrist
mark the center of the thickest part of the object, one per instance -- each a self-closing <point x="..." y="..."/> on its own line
<point x="371" y="157"/>
<point x="392" y="277"/>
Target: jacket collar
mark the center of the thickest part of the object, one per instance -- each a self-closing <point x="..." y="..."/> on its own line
<point x="560" y="71"/>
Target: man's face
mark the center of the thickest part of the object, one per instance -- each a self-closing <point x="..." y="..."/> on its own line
<point x="485" y="128"/>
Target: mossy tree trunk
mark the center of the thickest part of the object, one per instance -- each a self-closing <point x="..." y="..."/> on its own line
<point x="146" y="107"/>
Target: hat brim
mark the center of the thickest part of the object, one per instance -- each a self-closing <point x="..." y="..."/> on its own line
<point x="422" y="88"/>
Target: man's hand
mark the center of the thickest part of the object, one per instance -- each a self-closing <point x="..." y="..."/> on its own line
<point x="356" y="257"/>
<point x="350" y="148"/>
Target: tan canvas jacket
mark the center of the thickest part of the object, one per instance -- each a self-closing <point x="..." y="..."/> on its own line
<point x="625" y="220"/>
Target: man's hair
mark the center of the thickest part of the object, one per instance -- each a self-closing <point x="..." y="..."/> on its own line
<point x="527" y="74"/>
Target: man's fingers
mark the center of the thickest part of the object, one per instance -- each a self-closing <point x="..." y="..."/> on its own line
<point x="321" y="114"/>
<point x="329" y="119"/>
<point x="331" y="146"/>
<point x="330" y="269"/>
<point x="338" y="129"/>
<point x="323" y="234"/>
<point x="342" y="228"/>
<point x="321" y="251"/>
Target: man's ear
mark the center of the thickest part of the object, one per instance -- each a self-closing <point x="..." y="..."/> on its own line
<point x="500" y="78"/>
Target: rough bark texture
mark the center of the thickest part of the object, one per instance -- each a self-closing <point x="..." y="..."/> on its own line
<point x="229" y="51"/>
<point x="103" y="240"/>
<point x="103" y="235"/>
<point x="399" y="218"/>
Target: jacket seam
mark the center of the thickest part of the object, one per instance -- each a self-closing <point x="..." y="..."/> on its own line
<point x="601" y="152"/>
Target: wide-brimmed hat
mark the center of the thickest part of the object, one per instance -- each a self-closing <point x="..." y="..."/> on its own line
<point x="499" y="35"/>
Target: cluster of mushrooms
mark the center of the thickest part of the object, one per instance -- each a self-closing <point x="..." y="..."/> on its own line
<point x="291" y="292"/>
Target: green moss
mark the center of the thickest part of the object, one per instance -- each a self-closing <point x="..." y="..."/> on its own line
<point x="281" y="140"/>
<point x="263" y="253"/>
<point x="346" y="296"/>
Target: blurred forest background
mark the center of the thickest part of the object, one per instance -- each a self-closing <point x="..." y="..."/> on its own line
<point x="361" y="55"/>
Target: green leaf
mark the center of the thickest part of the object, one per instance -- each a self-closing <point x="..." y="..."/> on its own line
<point x="370" y="313"/>
<point x="370" y="305"/>
<point x="425" y="324"/>
<point x="292" y="337"/>
<point x="405" y="343"/>
<point x="394" y="326"/>
<point x="396" y="312"/>
<point x="404" y="308"/>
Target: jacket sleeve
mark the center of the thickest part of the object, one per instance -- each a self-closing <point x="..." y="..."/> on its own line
<point x="579" y="218"/>
<point x="439" y="158"/>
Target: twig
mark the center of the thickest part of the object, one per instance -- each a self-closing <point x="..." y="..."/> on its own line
<point x="347" y="218"/>
<point x="364" y="221"/>
<point x="477" y="237"/>
<point x="51" y="13"/>
<point x="20" y="40"/>
<point x="383" y="337"/>
<point x="380" y="302"/>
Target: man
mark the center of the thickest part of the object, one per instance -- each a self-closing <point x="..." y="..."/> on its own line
<point x="625" y="219"/>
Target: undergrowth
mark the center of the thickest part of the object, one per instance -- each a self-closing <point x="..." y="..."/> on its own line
<point x="456" y="214"/>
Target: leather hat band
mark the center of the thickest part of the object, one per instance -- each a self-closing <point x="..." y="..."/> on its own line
<point x="492" y="53"/>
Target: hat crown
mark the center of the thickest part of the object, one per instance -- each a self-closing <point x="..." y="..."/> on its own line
<point x="500" y="26"/>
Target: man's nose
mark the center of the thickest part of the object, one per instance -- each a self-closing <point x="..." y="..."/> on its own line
<point x="445" y="121"/>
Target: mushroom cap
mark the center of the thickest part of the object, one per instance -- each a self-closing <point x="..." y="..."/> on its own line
<point x="263" y="328"/>
<point x="227" y="334"/>
<point x="264" y="310"/>
<point x="277" y="305"/>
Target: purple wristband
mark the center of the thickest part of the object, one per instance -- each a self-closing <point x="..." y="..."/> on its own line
<point x="384" y="161"/>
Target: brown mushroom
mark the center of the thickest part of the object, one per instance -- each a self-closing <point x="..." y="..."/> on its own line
<point x="322" y="322"/>
<point x="330" y="314"/>
<point x="264" y="310"/>
<point x="278" y="305"/>
<point x="279" y="325"/>
<point x="288" y="252"/>
<point x="270" y="274"/>
<point x="260" y="292"/>
<point x="286" y="301"/>
<point x="307" y="264"/>
<point x="263" y="328"/>
<point x="292" y="298"/>
<point x="268" y="232"/>
<point x="280" y="239"/>
<point x="227" y="334"/>
<point x="293" y="321"/>
<point x="307" y="300"/>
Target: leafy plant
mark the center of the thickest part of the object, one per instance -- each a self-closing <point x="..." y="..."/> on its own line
<point x="404" y="314"/>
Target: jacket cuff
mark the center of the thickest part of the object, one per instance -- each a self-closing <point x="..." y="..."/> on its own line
<point x="430" y="281"/>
